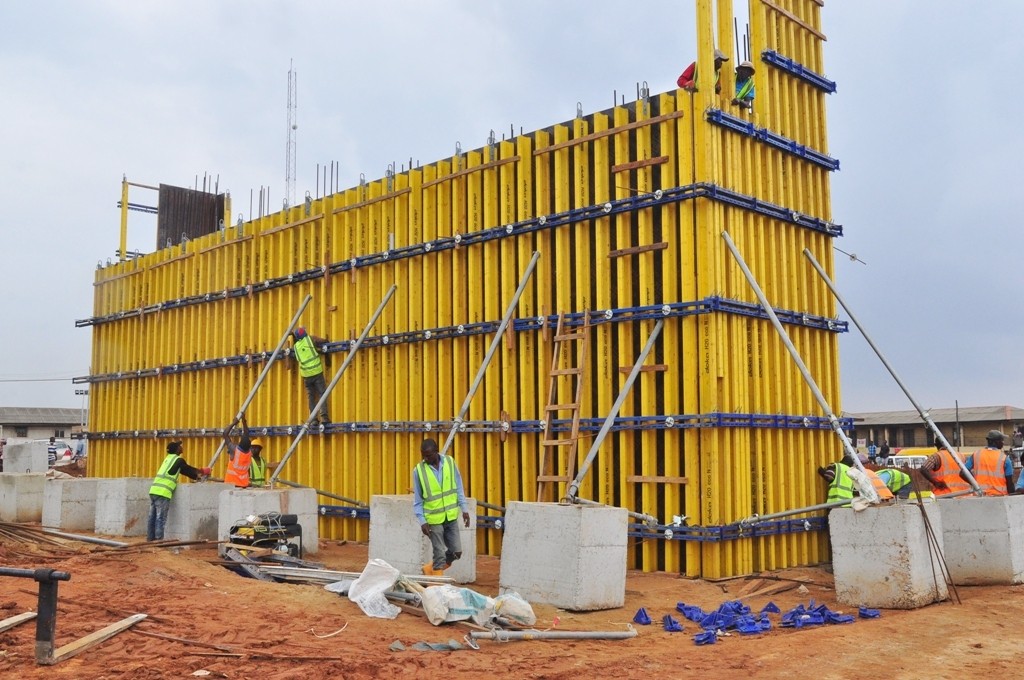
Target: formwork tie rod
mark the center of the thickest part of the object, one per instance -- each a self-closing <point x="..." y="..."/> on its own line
<point x="259" y="381"/>
<point x="507" y="635"/>
<point x="315" y="411"/>
<point x="495" y="342"/>
<point x="892" y="371"/>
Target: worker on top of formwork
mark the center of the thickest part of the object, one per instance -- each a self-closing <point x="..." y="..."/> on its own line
<point x="942" y="471"/>
<point x="688" y="78"/>
<point x="992" y="468"/>
<point x="744" y="86"/>
<point x="307" y="352"/>
<point x="239" y="458"/>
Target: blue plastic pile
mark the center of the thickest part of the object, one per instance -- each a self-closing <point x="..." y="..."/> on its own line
<point x="736" y="616"/>
<point x="812" y="615"/>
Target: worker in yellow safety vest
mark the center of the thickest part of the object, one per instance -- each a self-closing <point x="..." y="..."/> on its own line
<point x="992" y="469"/>
<point x="840" y="486"/>
<point x="884" y="494"/>
<point x="898" y="482"/>
<point x="164" y="484"/>
<point x="259" y="466"/>
<point x="307" y="350"/>
<point x="942" y="471"/>
<point x="438" y="497"/>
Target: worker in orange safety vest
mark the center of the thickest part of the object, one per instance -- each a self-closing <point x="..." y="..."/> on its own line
<point x="992" y="469"/>
<point x="239" y="458"/>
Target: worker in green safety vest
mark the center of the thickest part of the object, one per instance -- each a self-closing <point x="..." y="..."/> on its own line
<point x="307" y="352"/>
<point x="744" y="86"/>
<point x="164" y="484"/>
<point x="438" y="497"/>
<point x="258" y="465"/>
<point x="840" y="486"/>
<point x="898" y="481"/>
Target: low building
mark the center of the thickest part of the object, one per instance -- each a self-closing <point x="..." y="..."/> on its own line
<point x="23" y="423"/>
<point x="964" y="426"/>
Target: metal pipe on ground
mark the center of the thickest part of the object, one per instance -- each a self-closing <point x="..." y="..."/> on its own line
<point x="87" y="539"/>
<point x="259" y="380"/>
<point x="490" y="351"/>
<point x="574" y="485"/>
<point x="804" y="371"/>
<point x="506" y="635"/>
<point x="924" y="414"/>
<point x="337" y="376"/>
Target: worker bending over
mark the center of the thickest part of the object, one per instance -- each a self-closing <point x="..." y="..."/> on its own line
<point x="942" y="471"/>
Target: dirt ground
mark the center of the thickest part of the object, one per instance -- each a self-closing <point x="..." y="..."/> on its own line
<point x="237" y="627"/>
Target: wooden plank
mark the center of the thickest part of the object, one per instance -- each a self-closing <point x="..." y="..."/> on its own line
<point x="475" y="168"/>
<point x="657" y="479"/>
<point x="243" y="239"/>
<point x="307" y="220"/>
<point x="661" y="245"/>
<point x="607" y="133"/>
<point x="771" y="590"/>
<point x="652" y="368"/>
<point x="794" y="18"/>
<point x="369" y="201"/>
<point x="78" y="646"/>
<point x="13" y="621"/>
<point x="751" y="586"/>
<point x="657" y="160"/>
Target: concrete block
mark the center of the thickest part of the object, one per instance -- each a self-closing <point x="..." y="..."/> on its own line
<point x="122" y="506"/>
<point x="237" y="504"/>
<point x="21" y="496"/>
<point x="26" y="457"/>
<point x="569" y="556"/>
<point x="881" y="556"/>
<point x="396" y="538"/>
<point x="70" y="504"/>
<point x="194" y="511"/>
<point x="984" y="539"/>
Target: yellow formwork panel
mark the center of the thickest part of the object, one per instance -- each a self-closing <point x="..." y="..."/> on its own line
<point x="175" y="370"/>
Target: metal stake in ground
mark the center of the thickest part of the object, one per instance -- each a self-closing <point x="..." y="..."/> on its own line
<point x="259" y="381"/>
<point x="818" y="396"/>
<point x="924" y="414"/>
<point x="490" y="351"/>
<point x="337" y="376"/>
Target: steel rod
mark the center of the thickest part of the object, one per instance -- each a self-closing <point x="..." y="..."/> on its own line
<point x="892" y="371"/>
<point x="574" y="486"/>
<point x="495" y="341"/>
<point x="321" y="492"/>
<point x="754" y="519"/>
<point x="259" y="380"/>
<point x="87" y="539"/>
<point x="818" y="396"/>
<point x="503" y="635"/>
<point x="645" y="518"/>
<point x="337" y="376"/>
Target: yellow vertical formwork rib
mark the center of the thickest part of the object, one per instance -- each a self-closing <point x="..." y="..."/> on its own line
<point x="527" y="343"/>
<point x="584" y="283"/>
<point x="602" y="358"/>
<point x="509" y="468"/>
<point x="561" y="284"/>
<point x="542" y="276"/>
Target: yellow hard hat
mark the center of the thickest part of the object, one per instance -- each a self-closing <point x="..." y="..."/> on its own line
<point x="257" y="442"/>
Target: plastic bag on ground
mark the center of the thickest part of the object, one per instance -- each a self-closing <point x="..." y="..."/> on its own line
<point x="513" y="607"/>
<point x="449" y="603"/>
<point x="367" y="591"/>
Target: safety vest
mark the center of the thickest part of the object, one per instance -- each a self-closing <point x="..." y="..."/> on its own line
<point x="440" y="501"/>
<point x="880" y="487"/>
<point x="258" y="471"/>
<point x="238" y="468"/>
<point x="164" y="483"/>
<point x="990" y="471"/>
<point x="894" y="479"/>
<point x="841" y="487"/>
<point x="949" y="473"/>
<point x="310" y="363"/>
<point x="745" y="89"/>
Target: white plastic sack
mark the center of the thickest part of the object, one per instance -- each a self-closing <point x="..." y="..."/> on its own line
<point x="448" y="603"/>
<point x="864" y="485"/>
<point x="368" y="590"/>
<point x="513" y="607"/>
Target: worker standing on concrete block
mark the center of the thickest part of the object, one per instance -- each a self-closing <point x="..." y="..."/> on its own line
<point x="164" y="484"/>
<point x="307" y="352"/>
<point x="259" y="465"/>
<point x="941" y="470"/>
<point x="992" y="468"/>
<point x="438" y="497"/>
<point x="239" y="458"/>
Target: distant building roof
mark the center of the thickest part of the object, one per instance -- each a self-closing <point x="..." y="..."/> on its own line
<point x="967" y="414"/>
<point x="17" y="415"/>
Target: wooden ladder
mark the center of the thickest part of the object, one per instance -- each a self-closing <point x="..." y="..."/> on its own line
<point x="549" y="443"/>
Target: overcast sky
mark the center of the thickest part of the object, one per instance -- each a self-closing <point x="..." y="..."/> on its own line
<point x="925" y="124"/>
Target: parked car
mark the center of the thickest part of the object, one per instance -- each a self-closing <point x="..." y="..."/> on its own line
<point x="63" y="450"/>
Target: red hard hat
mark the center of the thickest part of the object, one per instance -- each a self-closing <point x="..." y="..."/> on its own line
<point x="300" y="332"/>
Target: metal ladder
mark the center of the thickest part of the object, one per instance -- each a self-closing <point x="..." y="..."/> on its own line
<point x="550" y="444"/>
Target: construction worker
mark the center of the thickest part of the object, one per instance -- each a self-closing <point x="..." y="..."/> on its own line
<point x="840" y="486"/>
<point x="897" y="481"/>
<point x="259" y="465"/>
<point x="688" y="78"/>
<point x="992" y="469"/>
<point x="164" y="484"/>
<point x="884" y="494"/>
<point x="438" y="497"/>
<point x="239" y="458"/>
<point x="942" y="471"/>
<point x="307" y="352"/>
<point x="744" y="86"/>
